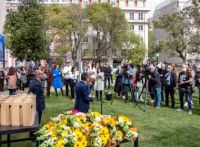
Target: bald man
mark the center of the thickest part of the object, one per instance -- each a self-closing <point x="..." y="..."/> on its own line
<point x="35" y="87"/>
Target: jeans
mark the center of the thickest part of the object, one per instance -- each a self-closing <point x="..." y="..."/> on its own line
<point x="138" y="92"/>
<point x="181" y="98"/>
<point x="12" y="91"/>
<point x="72" y="87"/>
<point x="157" y="93"/>
<point x="162" y="93"/>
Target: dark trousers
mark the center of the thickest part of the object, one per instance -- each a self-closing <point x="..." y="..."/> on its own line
<point x="12" y="91"/>
<point x="49" y="89"/>
<point x="125" y="89"/>
<point x="107" y="78"/>
<point x="67" y="84"/>
<point x="151" y="92"/>
<point x="1" y="84"/>
<point x="72" y="87"/>
<point x="162" y="93"/>
<point x="181" y="98"/>
<point x="111" y="78"/>
<point x="99" y="93"/>
<point x="39" y="116"/>
<point x="169" y="91"/>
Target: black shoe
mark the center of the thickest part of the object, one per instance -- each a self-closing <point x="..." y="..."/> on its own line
<point x="127" y="101"/>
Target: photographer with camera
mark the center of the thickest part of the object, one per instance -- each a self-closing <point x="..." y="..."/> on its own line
<point x="185" y="88"/>
<point x="154" y="80"/>
<point x="170" y="81"/>
<point x="127" y="80"/>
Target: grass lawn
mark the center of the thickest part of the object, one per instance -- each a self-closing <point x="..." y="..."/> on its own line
<point x="164" y="127"/>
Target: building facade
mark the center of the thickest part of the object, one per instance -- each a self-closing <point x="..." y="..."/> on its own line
<point x="170" y="7"/>
<point x="136" y="13"/>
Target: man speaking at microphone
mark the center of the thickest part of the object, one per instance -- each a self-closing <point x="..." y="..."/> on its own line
<point x="83" y="96"/>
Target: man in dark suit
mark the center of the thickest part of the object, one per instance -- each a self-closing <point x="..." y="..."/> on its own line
<point x="170" y="82"/>
<point x="83" y="97"/>
<point x="36" y="88"/>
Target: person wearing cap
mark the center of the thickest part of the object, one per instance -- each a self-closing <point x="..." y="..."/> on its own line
<point x="36" y="88"/>
<point x="66" y="74"/>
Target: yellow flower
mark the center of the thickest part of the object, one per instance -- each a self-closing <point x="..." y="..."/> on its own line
<point x="53" y="135"/>
<point x="64" y="133"/>
<point x="47" y="126"/>
<point x="78" y="144"/>
<point x="97" y="114"/>
<point x="63" y="121"/>
<point x="87" y="125"/>
<point x="60" y="143"/>
<point x="78" y="133"/>
<point x="121" y="134"/>
<point x="105" y="130"/>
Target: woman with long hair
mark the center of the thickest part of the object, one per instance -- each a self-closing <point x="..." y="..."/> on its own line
<point x="57" y="81"/>
<point x="49" y="77"/>
<point x="73" y="81"/>
<point x="12" y="81"/>
<point x="139" y="82"/>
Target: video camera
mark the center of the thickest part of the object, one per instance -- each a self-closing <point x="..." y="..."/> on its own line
<point x="147" y="71"/>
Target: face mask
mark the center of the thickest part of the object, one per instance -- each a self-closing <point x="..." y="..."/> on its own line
<point x="184" y="69"/>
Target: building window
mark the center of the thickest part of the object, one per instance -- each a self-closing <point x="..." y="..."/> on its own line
<point x="132" y="27"/>
<point x="74" y="1"/>
<point x="85" y="40"/>
<point x="85" y="3"/>
<point x="54" y="1"/>
<point x="88" y="53"/>
<point x="65" y="1"/>
<point x="141" y="39"/>
<point x="45" y="0"/>
<point x="141" y="27"/>
<point x="113" y="3"/>
<point x="141" y="16"/>
<point x="103" y="1"/>
<point x="131" y="16"/>
<point x="94" y="1"/>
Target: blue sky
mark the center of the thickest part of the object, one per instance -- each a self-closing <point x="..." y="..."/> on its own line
<point x="151" y="4"/>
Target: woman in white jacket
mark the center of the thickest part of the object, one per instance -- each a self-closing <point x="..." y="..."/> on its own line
<point x="99" y="83"/>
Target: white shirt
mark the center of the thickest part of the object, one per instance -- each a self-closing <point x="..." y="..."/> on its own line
<point x="94" y="70"/>
<point x="73" y="76"/>
<point x="66" y="71"/>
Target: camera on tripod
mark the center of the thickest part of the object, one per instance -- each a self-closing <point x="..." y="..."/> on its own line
<point x="146" y="71"/>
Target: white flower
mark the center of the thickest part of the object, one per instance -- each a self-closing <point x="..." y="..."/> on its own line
<point x="97" y="142"/>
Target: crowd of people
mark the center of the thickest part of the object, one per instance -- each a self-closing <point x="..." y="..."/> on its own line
<point x="162" y="80"/>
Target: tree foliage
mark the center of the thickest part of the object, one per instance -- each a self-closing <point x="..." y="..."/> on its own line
<point x="26" y="32"/>
<point x="108" y="22"/>
<point x="133" y="49"/>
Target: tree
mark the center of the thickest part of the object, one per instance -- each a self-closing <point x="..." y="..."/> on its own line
<point x="26" y="32"/>
<point x="179" y="29"/>
<point x="151" y="44"/>
<point x="108" y="22"/>
<point x="133" y="48"/>
<point x="68" y="24"/>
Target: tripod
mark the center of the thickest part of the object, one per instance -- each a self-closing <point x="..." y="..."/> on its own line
<point x="146" y="86"/>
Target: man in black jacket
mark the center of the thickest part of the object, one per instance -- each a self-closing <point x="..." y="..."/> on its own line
<point x="170" y="81"/>
<point x="36" y="88"/>
<point x="154" y="79"/>
<point x="162" y="71"/>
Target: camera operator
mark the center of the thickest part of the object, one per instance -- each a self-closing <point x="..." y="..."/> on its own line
<point x="185" y="88"/>
<point x="170" y="82"/>
<point x="107" y="73"/>
<point x="127" y="80"/>
<point x="154" y="79"/>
